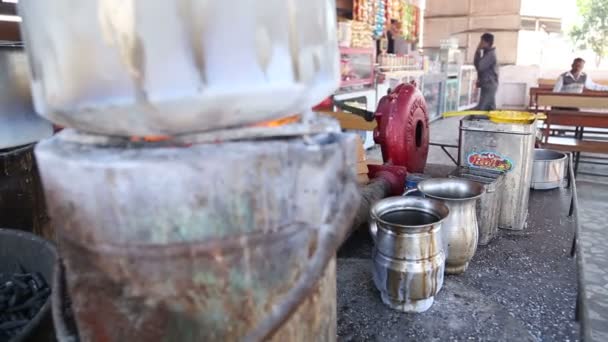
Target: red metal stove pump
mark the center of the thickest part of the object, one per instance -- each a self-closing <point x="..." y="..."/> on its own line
<point x="403" y="128"/>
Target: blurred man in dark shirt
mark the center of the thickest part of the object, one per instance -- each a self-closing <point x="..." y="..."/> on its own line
<point x="486" y="64"/>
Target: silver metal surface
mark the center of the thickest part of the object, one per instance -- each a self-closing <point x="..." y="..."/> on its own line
<point x="409" y="256"/>
<point x="19" y="124"/>
<point x="512" y="147"/>
<point x="549" y="169"/>
<point x="489" y="205"/>
<point x="108" y="67"/>
<point x="460" y="231"/>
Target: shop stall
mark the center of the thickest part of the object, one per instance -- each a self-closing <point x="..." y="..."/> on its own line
<point x="469" y="92"/>
<point x="378" y="40"/>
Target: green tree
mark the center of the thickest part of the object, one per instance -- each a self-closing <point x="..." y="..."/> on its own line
<point x="592" y="32"/>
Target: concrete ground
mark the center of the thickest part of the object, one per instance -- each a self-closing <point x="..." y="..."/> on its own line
<point x="592" y="255"/>
<point x="522" y="287"/>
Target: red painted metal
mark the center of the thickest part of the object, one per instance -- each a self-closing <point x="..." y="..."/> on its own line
<point x="403" y="128"/>
<point x="394" y="175"/>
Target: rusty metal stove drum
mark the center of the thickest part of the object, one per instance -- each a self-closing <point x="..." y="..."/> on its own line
<point x="108" y="67"/>
<point x="190" y="240"/>
<point x="409" y="256"/>
<point x="460" y="229"/>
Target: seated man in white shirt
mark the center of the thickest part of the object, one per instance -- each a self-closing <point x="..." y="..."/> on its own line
<point x="575" y="80"/>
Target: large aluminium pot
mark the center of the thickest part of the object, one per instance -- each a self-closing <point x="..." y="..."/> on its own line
<point x="549" y="169"/>
<point x="111" y="67"/>
<point x="460" y="229"/>
<point x="408" y="256"/>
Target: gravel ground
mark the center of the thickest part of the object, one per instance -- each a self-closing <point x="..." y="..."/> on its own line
<point x="520" y="288"/>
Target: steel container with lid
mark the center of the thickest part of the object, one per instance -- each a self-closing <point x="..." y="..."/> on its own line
<point x="488" y="206"/>
<point x="502" y="147"/>
<point x="159" y="67"/>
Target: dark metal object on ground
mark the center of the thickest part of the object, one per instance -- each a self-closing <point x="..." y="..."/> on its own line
<point x="22" y="204"/>
<point x="26" y="271"/>
<point x="22" y="295"/>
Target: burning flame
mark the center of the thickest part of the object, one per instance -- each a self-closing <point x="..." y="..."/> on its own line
<point x="279" y="122"/>
<point x="273" y="123"/>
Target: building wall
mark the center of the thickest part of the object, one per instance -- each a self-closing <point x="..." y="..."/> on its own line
<point x="526" y="56"/>
<point x="466" y="20"/>
<point x="495" y="7"/>
<point x="446" y="8"/>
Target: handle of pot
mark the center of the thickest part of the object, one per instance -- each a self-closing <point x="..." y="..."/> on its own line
<point x="373" y="229"/>
<point x="331" y="235"/>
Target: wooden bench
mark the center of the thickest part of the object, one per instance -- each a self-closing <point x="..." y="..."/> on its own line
<point x="580" y="119"/>
<point x="565" y="144"/>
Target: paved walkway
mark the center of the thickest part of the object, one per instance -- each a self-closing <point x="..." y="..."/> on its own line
<point x="592" y="254"/>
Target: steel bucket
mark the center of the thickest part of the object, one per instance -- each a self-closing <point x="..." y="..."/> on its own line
<point x="408" y="256"/>
<point x="549" y="170"/>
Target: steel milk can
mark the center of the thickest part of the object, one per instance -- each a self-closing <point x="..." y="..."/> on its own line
<point x="460" y="229"/>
